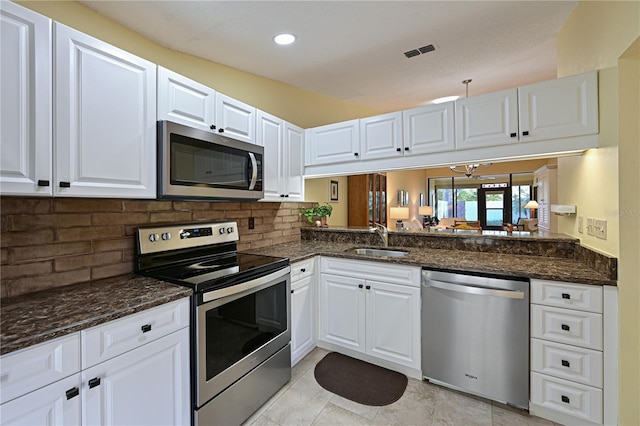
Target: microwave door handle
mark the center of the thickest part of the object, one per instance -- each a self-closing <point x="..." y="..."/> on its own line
<point x="254" y="174"/>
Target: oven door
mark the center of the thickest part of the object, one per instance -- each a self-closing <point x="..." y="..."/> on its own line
<point x="238" y="328"/>
<point x="198" y="164"/>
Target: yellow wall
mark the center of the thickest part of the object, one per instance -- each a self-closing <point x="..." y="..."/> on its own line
<point x="300" y="107"/>
<point x="413" y="181"/>
<point x="595" y="36"/>
<point x="317" y="190"/>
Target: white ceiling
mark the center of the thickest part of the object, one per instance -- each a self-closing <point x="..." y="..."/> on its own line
<point x="354" y="50"/>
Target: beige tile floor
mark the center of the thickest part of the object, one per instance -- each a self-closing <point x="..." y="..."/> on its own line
<point x="304" y="402"/>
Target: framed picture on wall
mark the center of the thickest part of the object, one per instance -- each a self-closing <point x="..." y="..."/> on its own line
<point x="333" y="190"/>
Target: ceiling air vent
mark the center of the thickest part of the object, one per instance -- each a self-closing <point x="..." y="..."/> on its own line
<point x="412" y="53"/>
<point x="421" y="50"/>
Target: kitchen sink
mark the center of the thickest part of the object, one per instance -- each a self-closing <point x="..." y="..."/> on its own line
<point x="377" y="252"/>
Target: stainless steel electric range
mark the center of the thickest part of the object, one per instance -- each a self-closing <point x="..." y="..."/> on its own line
<point x="240" y="317"/>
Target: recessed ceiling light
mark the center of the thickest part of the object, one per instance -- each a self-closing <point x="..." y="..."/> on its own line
<point x="284" y="39"/>
<point x="445" y="99"/>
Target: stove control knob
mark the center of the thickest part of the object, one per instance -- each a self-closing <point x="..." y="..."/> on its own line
<point x="229" y="230"/>
<point x="166" y="236"/>
<point x="153" y="237"/>
<point x="184" y="234"/>
<point x="221" y="231"/>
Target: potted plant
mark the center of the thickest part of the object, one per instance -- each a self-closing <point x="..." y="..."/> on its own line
<point x="318" y="213"/>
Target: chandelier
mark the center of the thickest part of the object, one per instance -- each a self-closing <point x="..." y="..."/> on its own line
<point x="469" y="169"/>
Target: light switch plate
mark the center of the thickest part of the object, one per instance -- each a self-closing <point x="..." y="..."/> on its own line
<point x="600" y="228"/>
<point x="590" y="226"/>
<point x="580" y="224"/>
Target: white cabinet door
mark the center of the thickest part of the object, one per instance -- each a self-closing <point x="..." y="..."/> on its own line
<point x="393" y="322"/>
<point x="235" y="119"/>
<point x="559" y="108"/>
<point x="57" y="404"/>
<point x="105" y="119"/>
<point x="146" y="386"/>
<point x="487" y="120"/>
<point x="269" y="135"/>
<point x="342" y="318"/>
<point x="293" y="170"/>
<point x="429" y="129"/>
<point x="302" y="318"/>
<point x="381" y="136"/>
<point x="547" y="195"/>
<point x="185" y="101"/>
<point x="333" y="143"/>
<point x="25" y="104"/>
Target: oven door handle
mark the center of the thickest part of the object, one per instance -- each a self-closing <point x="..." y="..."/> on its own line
<point x="254" y="168"/>
<point x="245" y="286"/>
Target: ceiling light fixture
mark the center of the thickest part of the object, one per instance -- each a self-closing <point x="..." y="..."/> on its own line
<point x="284" y="39"/>
<point x="468" y="169"/>
<point x="445" y="99"/>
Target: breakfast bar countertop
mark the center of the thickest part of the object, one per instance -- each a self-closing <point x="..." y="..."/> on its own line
<point x="508" y="265"/>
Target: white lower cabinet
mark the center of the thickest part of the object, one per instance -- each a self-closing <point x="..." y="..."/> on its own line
<point x="303" y="309"/>
<point x="146" y="383"/>
<point x="373" y="309"/>
<point x="573" y="353"/>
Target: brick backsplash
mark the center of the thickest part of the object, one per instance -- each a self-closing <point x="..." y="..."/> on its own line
<point x="52" y="242"/>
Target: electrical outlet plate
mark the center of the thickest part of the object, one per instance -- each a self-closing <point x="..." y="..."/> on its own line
<point x="580" y="224"/>
<point x="590" y="230"/>
<point x="600" y="228"/>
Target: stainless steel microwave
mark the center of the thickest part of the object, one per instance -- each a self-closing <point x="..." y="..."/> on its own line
<point x="194" y="164"/>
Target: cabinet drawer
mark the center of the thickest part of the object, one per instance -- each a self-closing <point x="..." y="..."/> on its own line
<point x="105" y="341"/>
<point x="567" y="326"/>
<point x="574" y="399"/>
<point x="565" y="295"/>
<point x="36" y="366"/>
<point x="567" y="362"/>
<point x="379" y="271"/>
<point x="302" y="269"/>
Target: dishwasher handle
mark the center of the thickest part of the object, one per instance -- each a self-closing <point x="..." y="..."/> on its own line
<point x="480" y="291"/>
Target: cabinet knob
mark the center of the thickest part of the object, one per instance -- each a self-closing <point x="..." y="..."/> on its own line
<point x="145" y="328"/>
<point x="398" y="149"/>
<point x="406" y="148"/>
<point x="360" y="285"/>
<point x="513" y="135"/>
<point x="565" y="327"/>
<point x="566" y="296"/>
<point x="525" y="133"/>
<point x="220" y="130"/>
<point x="65" y="185"/>
<point x="565" y="399"/>
<point x="212" y="127"/>
<point x="72" y="393"/>
<point x="292" y="291"/>
<point x="565" y="363"/>
<point x="94" y="382"/>
<point x="368" y="287"/>
<point x="303" y="270"/>
<point x="286" y="196"/>
<point x="43" y="182"/>
<point x="356" y="154"/>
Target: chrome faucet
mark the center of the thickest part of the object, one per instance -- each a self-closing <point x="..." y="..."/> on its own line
<point x="383" y="232"/>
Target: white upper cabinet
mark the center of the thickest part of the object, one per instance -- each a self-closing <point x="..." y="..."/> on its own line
<point x="185" y="101"/>
<point x="292" y="155"/>
<point x="487" y="120"/>
<point x="428" y="129"/>
<point x="381" y="136"/>
<point x="105" y="119"/>
<point x="282" y="165"/>
<point x="235" y="119"/>
<point x="559" y="108"/>
<point x="333" y="143"/>
<point x="25" y="104"/>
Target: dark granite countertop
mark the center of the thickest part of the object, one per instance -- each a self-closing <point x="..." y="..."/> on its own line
<point x="540" y="267"/>
<point x="37" y="317"/>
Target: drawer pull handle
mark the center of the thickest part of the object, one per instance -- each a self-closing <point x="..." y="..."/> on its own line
<point x="42" y="182"/>
<point x="72" y="393"/>
<point x="145" y="328"/>
<point x="525" y="133"/>
<point x="303" y="270"/>
<point x="65" y="184"/>
<point x="566" y="399"/>
<point x="94" y="382"/>
<point x="368" y="287"/>
<point x="565" y="327"/>
<point x="513" y="135"/>
<point x="565" y="363"/>
<point x="566" y="296"/>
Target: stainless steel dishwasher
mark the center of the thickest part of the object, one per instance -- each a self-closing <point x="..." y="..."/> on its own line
<point x="475" y="335"/>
